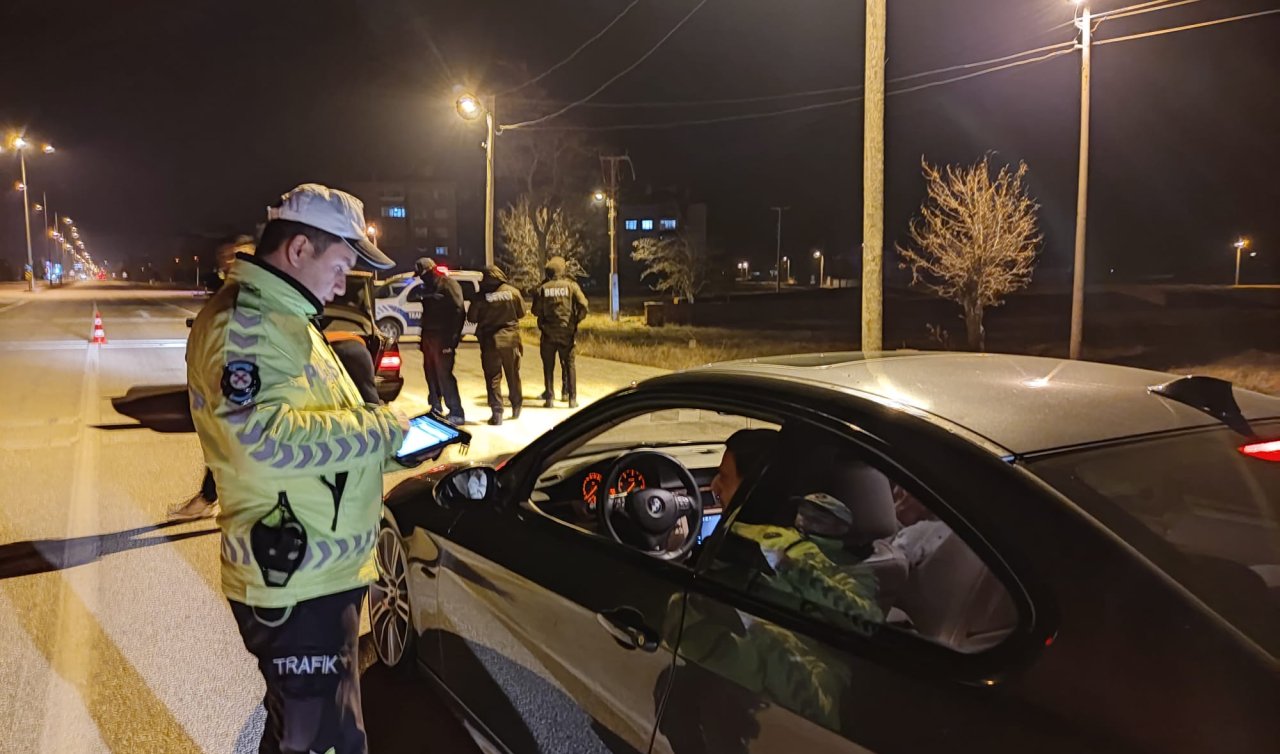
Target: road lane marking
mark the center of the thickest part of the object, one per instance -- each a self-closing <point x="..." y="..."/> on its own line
<point x="14" y="305"/>
<point x="72" y="345"/>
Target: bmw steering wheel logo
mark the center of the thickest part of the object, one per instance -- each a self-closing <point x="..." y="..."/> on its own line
<point x="655" y="505"/>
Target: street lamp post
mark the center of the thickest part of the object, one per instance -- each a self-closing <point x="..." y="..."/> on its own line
<point x="787" y="262"/>
<point x="471" y="107"/>
<point x="1240" y="245"/>
<point x="607" y="199"/>
<point x="777" y="270"/>
<point x="1085" y="23"/>
<point x="817" y="254"/>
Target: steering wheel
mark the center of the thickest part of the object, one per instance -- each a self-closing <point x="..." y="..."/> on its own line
<point x="653" y="511"/>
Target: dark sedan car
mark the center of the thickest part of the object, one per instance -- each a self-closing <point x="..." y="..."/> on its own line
<point x="1040" y="556"/>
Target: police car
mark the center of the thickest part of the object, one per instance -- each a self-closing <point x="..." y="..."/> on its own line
<point x="398" y="302"/>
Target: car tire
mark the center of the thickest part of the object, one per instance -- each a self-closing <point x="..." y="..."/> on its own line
<point x="390" y="328"/>
<point x="389" y="610"/>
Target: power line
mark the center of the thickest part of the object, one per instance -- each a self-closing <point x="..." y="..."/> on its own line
<point x="1202" y="24"/>
<point x="800" y="109"/>
<point x="1102" y="16"/>
<point x="816" y="92"/>
<point x="573" y="54"/>
<point x="619" y="75"/>
<point x="1123" y="13"/>
<point x="929" y="85"/>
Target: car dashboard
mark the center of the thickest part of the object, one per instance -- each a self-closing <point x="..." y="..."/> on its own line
<point x="571" y="488"/>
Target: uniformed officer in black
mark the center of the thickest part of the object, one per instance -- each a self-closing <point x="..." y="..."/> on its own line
<point x="496" y="311"/>
<point x="443" y="314"/>
<point x="560" y="306"/>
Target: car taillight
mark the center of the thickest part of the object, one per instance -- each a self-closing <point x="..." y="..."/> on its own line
<point x="390" y="362"/>
<point x="442" y="269"/>
<point x="1266" y="451"/>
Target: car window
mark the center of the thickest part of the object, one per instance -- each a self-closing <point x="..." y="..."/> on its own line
<point x="390" y="290"/>
<point x="1200" y="507"/>
<point x="832" y="538"/>
<point x="414" y="295"/>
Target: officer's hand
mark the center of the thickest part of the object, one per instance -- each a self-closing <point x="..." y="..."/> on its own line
<point x="400" y="417"/>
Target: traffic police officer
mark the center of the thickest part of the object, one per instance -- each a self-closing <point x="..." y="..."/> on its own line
<point x="560" y="306"/>
<point x="443" y="313"/>
<point x="298" y="456"/>
<point x="496" y="312"/>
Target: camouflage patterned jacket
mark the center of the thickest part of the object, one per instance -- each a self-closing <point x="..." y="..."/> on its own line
<point x="282" y="424"/>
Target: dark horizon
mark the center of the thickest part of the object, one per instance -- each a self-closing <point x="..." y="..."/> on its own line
<point x="173" y="119"/>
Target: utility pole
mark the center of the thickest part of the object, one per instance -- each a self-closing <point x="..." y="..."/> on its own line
<point x="1082" y="187"/>
<point x="490" y="121"/>
<point x="873" y="179"/>
<point x="611" y="199"/>
<point x="777" y="270"/>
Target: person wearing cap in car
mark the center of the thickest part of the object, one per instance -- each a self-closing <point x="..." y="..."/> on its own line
<point x="298" y="455"/>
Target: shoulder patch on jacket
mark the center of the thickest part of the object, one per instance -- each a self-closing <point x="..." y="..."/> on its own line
<point x="240" y="381"/>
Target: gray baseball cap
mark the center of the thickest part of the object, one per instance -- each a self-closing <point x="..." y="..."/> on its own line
<point x="335" y="212"/>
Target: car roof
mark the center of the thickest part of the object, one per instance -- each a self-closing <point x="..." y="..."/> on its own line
<point x="464" y="274"/>
<point x="1023" y="404"/>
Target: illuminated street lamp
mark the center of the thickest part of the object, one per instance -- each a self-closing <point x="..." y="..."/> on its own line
<point x="18" y="144"/>
<point x="817" y="254"/>
<point x="1240" y="245"/>
<point x="470" y="107"/>
<point x="786" y="261"/>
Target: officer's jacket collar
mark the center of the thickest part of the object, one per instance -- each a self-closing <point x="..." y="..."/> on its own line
<point x="279" y="290"/>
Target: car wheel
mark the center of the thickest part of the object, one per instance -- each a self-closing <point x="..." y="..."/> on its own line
<point x="390" y="328"/>
<point x="393" y="634"/>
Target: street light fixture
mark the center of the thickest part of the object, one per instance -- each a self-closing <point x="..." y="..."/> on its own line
<point x="19" y="145"/>
<point x="470" y="107"/>
<point x="599" y="197"/>
<point x="1240" y="245"/>
<point x="822" y="261"/>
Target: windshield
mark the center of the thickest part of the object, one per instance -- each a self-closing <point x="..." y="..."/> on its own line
<point x="356" y="296"/>
<point x="1196" y="506"/>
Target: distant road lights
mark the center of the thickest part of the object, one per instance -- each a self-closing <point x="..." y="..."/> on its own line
<point x="19" y="186"/>
<point x="822" y="263"/>
<point x="67" y="220"/>
<point x="20" y="143"/>
<point x="598" y="197"/>
<point x="47" y="149"/>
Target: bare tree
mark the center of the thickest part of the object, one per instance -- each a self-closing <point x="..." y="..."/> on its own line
<point x="975" y="240"/>
<point x="532" y="234"/>
<point x="679" y="268"/>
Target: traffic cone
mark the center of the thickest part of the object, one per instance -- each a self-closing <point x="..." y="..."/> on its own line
<point x="99" y="335"/>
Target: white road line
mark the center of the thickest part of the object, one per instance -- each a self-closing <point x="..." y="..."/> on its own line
<point x="74" y="642"/>
<point x="73" y="345"/>
<point x="15" y="305"/>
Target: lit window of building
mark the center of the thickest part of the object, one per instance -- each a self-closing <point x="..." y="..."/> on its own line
<point x="646" y="225"/>
<point x="442" y="251"/>
<point x="631" y="224"/>
<point x="668" y="223"/>
<point x="394" y="210"/>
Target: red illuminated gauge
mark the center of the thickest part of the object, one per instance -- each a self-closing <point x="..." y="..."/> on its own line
<point x="591" y="488"/>
<point x="629" y="481"/>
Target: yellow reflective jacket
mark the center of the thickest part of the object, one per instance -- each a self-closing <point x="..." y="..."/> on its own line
<point x="279" y="419"/>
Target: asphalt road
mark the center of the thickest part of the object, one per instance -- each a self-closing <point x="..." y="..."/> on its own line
<point x="114" y="636"/>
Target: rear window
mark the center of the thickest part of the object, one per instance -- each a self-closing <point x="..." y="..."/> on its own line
<point x="1197" y="506"/>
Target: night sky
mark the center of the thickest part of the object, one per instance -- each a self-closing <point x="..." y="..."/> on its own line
<point x="183" y="117"/>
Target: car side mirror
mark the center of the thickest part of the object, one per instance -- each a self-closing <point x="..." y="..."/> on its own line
<point x="475" y="484"/>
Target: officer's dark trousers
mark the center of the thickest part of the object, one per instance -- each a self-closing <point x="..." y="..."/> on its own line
<point x="500" y="352"/>
<point x="550" y="349"/>
<point x="437" y="363"/>
<point x="311" y="665"/>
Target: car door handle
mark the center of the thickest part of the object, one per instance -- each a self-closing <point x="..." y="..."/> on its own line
<point x="626" y="626"/>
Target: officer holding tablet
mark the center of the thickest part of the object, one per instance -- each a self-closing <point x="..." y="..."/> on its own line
<point x="297" y="455"/>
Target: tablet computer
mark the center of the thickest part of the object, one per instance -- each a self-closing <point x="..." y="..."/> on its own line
<point x="428" y="435"/>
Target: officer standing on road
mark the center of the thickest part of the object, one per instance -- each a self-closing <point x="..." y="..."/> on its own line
<point x="496" y="311"/>
<point x="560" y="306"/>
<point x="443" y="314"/>
<point x="298" y="456"/>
